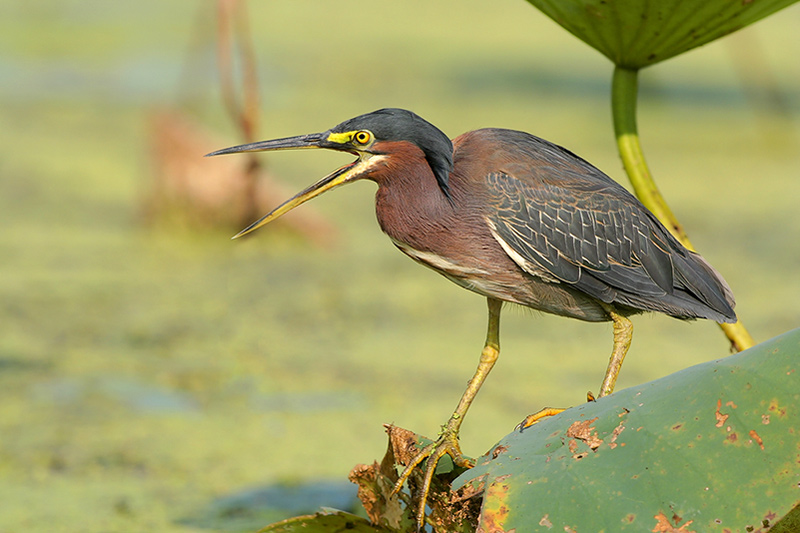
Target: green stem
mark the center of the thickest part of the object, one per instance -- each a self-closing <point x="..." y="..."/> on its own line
<point x="624" y="91"/>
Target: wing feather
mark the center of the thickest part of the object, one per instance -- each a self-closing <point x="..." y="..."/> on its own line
<point x="563" y="220"/>
<point x="568" y="233"/>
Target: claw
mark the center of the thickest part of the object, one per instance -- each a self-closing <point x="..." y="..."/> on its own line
<point x="535" y="417"/>
<point x="446" y="444"/>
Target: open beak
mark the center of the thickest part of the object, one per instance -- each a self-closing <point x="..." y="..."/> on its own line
<point x="315" y="140"/>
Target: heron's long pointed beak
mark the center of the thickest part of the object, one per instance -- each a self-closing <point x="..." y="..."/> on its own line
<point x="314" y="140"/>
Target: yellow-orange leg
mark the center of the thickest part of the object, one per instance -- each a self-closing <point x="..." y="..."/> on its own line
<point x="447" y="442"/>
<point x="623" y="333"/>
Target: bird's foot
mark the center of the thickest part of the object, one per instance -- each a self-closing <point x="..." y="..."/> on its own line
<point x="536" y="417"/>
<point x="445" y="444"/>
<point x="530" y="420"/>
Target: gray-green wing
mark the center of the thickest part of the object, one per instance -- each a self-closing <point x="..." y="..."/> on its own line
<point x="597" y="237"/>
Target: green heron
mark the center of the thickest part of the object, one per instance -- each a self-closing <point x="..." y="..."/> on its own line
<point x="516" y="219"/>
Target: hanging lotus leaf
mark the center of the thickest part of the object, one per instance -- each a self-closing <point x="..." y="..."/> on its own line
<point x="713" y="448"/>
<point x="637" y="33"/>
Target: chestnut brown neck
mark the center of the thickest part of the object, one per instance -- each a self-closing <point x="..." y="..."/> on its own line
<point x="409" y="200"/>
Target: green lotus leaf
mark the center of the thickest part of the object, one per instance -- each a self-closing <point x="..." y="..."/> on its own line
<point x="712" y="448"/>
<point x="637" y="33"/>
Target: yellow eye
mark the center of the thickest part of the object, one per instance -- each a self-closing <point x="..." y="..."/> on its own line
<point x="362" y="137"/>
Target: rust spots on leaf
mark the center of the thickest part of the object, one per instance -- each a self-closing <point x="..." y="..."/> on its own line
<point x="756" y="437"/>
<point x="573" y="448"/>
<point x="663" y="524"/>
<point x="721" y="418"/>
<point x="495" y="511"/>
<point x="500" y="448"/>
<point x="583" y="431"/>
<point x="545" y="522"/>
<point x="733" y="436"/>
<point x="777" y="409"/>
<point x="612" y="442"/>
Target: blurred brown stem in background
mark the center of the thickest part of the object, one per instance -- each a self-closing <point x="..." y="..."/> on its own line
<point x="232" y="19"/>
<point x="203" y="192"/>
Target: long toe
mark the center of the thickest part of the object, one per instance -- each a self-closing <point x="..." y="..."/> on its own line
<point x="539" y="415"/>
<point x="446" y="444"/>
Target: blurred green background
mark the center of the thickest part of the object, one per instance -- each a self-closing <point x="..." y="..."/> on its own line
<point x="158" y="378"/>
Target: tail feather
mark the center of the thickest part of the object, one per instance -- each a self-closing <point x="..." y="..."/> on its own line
<point x="695" y="276"/>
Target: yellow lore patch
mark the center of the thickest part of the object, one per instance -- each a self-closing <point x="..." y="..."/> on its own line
<point x="341" y="138"/>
